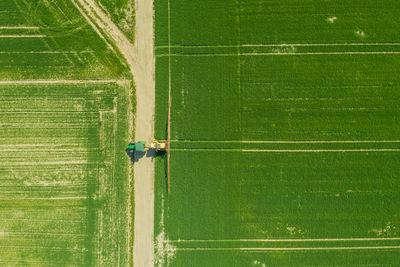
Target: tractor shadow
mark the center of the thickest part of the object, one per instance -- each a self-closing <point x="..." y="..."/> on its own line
<point x="137" y="155"/>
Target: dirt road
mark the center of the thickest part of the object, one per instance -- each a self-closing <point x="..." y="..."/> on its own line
<point x="140" y="57"/>
<point x="144" y="73"/>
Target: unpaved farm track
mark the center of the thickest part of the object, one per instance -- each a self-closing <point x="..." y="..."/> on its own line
<point x="140" y="57"/>
<point x="144" y="73"/>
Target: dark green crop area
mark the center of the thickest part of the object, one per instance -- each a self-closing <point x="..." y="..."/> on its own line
<point x="285" y="136"/>
<point x="65" y="99"/>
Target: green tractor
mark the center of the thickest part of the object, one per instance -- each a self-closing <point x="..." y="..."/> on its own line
<point x="140" y="146"/>
<point x="136" y="146"/>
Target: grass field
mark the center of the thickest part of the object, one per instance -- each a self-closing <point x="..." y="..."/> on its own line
<point x="284" y="133"/>
<point x="65" y="189"/>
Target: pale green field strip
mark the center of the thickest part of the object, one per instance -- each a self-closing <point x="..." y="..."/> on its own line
<point x="44" y="52"/>
<point x="58" y="166"/>
<point x="18" y="32"/>
<point x="307" y="145"/>
<point x="285" y="249"/>
<point x="290" y="142"/>
<point x="290" y="150"/>
<point x="23" y="36"/>
<point x="286" y="54"/>
<point x="19" y="28"/>
<point x="323" y="150"/>
<point x="65" y="82"/>
<point x="64" y="187"/>
<point x="283" y="240"/>
<point x="277" y="45"/>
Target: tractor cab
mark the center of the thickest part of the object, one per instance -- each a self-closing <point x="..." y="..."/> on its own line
<point x="136" y="146"/>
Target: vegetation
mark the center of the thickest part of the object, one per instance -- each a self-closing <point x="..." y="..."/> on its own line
<point x="122" y="13"/>
<point x="314" y="79"/>
<point x="64" y="177"/>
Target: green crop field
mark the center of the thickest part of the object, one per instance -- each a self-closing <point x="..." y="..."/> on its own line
<point x="285" y="137"/>
<point x="65" y="189"/>
<point x="122" y="13"/>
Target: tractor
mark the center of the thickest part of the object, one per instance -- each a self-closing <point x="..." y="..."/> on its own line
<point x="142" y="147"/>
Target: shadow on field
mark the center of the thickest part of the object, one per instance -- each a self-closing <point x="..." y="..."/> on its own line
<point x="137" y="155"/>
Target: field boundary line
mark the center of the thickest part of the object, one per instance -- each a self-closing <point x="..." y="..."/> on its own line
<point x="290" y="150"/>
<point x="23" y="36"/>
<point x="78" y="186"/>
<point x="288" y="141"/>
<point x="324" y="248"/>
<point x="8" y="82"/>
<point x="33" y="163"/>
<point x="283" y="54"/>
<point x="45" y="52"/>
<point x="19" y="28"/>
<point x="44" y="233"/>
<point x="324" y="150"/>
<point x="288" y="249"/>
<point x="41" y="263"/>
<point x="323" y="239"/>
<point x="42" y="198"/>
<point x="45" y="150"/>
<point x="287" y="240"/>
<point x="40" y="247"/>
<point x="320" y="44"/>
<point x="323" y="53"/>
<point x="280" y="45"/>
<point x="169" y="98"/>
